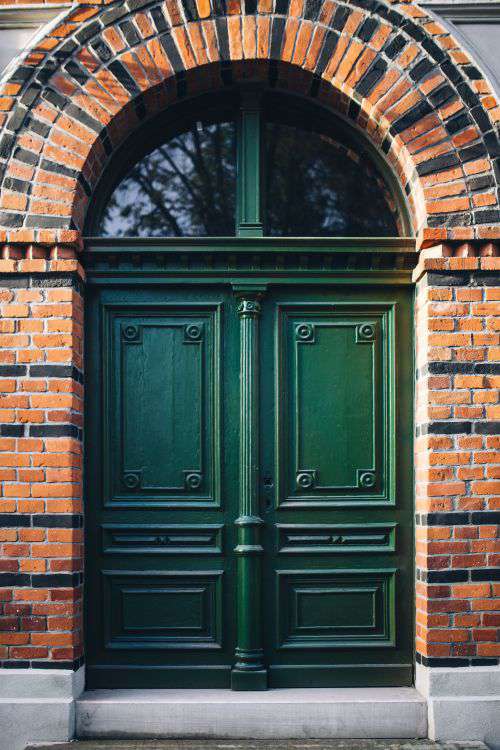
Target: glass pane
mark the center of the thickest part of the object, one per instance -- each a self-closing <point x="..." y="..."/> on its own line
<point x="185" y="187"/>
<point x="317" y="185"/>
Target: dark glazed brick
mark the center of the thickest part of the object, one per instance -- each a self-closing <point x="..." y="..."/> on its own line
<point x="437" y="54"/>
<point x="102" y="51"/>
<point x="282" y="6"/>
<point x="12" y="430"/>
<point x="340" y="18"/>
<point x="485" y="574"/>
<point x="58" y="521"/>
<point x="57" y="100"/>
<point x="6" y="145"/>
<point x="488" y="216"/>
<point x="56" y="580"/>
<point x="457" y="123"/>
<point x="168" y="45"/>
<point x="421" y="69"/>
<point x="8" y="219"/>
<point x="52" y="166"/>
<point x="49" y="222"/>
<point x="448" y="428"/>
<point x="56" y="371"/>
<point x="446" y="519"/>
<point x="130" y="33"/>
<point x="55" y="430"/>
<point x="411" y="117"/>
<point x="445" y="576"/>
<point x="159" y="20"/>
<point x="12" y="370"/>
<point x="223" y="37"/>
<point x="492" y="142"/>
<point x="395" y="46"/>
<point x="27" y="157"/>
<point x="468" y="95"/>
<point x="312" y="9"/>
<point x="442" y="94"/>
<point x="329" y="45"/>
<point x="485" y="517"/>
<point x="487" y="428"/>
<point x="372" y="76"/>
<point x="438" y="164"/>
<point x="250" y="6"/>
<point x="472" y="72"/>
<point x="482" y="119"/>
<point x="123" y="76"/>
<point x="15" y="579"/>
<point x="367" y="29"/>
<point x="11" y="520"/>
<point x="277" y="31"/>
<point x="88" y="32"/>
<point x="76" y="72"/>
<point x="84" y="118"/>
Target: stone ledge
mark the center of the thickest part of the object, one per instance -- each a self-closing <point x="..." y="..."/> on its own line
<point x="261" y="745"/>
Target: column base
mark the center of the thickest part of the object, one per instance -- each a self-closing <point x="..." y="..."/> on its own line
<point x="249" y="680"/>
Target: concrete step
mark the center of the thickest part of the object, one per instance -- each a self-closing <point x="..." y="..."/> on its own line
<point x="273" y="714"/>
<point x="260" y="745"/>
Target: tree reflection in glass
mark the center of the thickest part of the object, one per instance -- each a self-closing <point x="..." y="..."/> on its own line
<point x="186" y="187"/>
<point x="316" y="186"/>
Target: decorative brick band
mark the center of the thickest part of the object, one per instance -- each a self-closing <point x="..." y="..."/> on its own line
<point x="391" y="69"/>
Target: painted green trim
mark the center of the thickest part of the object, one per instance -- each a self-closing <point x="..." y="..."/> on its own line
<point x="248" y="169"/>
<point x="365" y="245"/>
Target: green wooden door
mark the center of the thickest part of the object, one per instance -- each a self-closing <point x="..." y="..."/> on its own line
<point x="162" y="477"/>
<point x="336" y="486"/>
<point x="241" y="455"/>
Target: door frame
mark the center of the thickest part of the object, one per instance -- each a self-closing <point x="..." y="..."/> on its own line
<point x="249" y="265"/>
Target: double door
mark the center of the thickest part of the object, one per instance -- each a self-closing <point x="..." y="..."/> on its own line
<point x="249" y="501"/>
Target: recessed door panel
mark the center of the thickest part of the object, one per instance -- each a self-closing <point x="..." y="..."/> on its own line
<point x="162" y="369"/>
<point x="334" y="382"/>
<point x="323" y="609"/>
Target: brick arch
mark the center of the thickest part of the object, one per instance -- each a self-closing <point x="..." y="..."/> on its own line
<point x="392" y="70"/>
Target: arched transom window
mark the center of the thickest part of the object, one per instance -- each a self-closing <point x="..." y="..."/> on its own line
<point x="255" y="164"/>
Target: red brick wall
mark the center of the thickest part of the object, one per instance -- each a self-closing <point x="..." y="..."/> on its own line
<point x="41" y="411"/>
<point x="457" y="461"/>
<point x="86" y="86"/>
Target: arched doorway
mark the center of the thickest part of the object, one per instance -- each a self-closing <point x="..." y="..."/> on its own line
<point x="249" y="371"/>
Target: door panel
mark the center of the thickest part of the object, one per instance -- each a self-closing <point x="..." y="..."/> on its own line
<point x="334" y="407"/>
<point x="336" y="494"/>
<point x="161" y="502"/>
<point x="162" y="372"/>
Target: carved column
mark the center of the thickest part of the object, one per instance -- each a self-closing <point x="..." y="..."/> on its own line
<point x="249" y="672"/>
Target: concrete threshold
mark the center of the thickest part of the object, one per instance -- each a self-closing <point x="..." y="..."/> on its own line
<point x="260" y="745"/>
<point x="274" y="714"/>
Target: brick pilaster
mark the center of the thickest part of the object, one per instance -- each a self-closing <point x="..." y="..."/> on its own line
<point x="41" y="421"/>
<point x="457" y="461"/>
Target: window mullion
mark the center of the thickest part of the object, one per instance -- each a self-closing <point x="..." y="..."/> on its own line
<point x="249" y="194"/>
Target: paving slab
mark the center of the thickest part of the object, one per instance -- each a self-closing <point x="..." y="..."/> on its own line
<point x="260" y="745"/>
